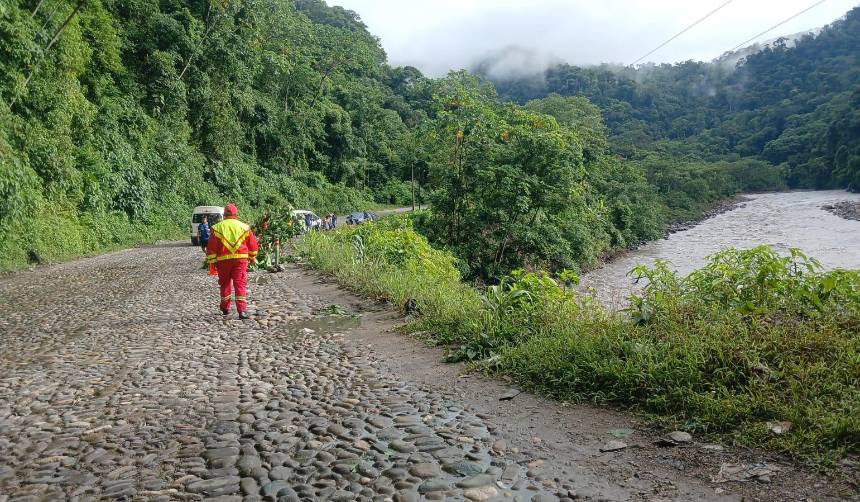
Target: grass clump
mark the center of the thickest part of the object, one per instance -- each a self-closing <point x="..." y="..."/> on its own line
<point x="753" y="337"/>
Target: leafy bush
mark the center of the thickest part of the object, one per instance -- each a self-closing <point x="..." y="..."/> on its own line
<point x="751" y="337"/>
<point x="756" y="281"/>
<point x="395" y="192"/>
<point x="512" y="309"/>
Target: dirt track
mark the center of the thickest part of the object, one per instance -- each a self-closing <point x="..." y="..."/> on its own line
<point x="120" y="380"/>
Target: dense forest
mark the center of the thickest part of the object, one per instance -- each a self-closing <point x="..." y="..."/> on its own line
<point x="793" y="104"/>
<point x="118" y="116"/>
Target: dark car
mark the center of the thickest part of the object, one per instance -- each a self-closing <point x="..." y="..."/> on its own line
<point x="360" y="217"/>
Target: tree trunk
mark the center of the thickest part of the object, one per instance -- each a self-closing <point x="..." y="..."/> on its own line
<point x="47" y="22"/>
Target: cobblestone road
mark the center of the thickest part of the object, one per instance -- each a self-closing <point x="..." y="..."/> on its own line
<point x="120" y="380"/>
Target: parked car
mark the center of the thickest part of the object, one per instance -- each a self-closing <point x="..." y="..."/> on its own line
<point x="360" y="217"/>
<point x="214" y="213"/>
<point x="305" y="216"/>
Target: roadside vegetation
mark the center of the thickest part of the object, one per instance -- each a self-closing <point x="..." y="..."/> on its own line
<point x="751" y="338"/>
<point x="117" y="118"/>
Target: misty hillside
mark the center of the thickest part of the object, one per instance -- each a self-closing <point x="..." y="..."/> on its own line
<point x="796" y="105"/>
<point x="117" y="117"/>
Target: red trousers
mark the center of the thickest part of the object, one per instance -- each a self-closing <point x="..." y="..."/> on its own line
<point x="232" y="274"/>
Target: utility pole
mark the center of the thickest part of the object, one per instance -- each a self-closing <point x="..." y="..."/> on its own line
<point x="54" y="39"/>
<point x="413" y="186"/>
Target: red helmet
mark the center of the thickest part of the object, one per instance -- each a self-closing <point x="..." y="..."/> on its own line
<point x="230" y="210"/>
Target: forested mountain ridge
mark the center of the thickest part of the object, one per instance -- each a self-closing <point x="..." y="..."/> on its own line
<point x="793" y="106"/>
<point x="116" y="116"/>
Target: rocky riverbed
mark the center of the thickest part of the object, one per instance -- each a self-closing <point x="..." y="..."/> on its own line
<point x="120" y="381"/>
<point x="722" y="206"/>
<point x="850" y="210"/>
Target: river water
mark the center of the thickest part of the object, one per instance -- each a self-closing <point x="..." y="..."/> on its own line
<point x="782" y="220"/>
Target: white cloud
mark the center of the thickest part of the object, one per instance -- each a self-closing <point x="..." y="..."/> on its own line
<point x="438" y="35"/>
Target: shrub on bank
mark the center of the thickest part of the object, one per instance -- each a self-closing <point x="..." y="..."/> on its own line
<point x="752" y="337"/>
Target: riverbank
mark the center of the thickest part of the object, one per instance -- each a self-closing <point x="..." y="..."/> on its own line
<point x="783" y="220"/>
<point x="849" y="210"/>
<point x="722" y="206"/>
<point x="565" y="345"/>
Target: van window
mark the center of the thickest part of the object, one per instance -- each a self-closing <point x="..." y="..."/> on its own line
<point x="213" y="218"/>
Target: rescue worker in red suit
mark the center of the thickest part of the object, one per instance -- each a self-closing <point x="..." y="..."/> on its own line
<point x="231" y="246"/>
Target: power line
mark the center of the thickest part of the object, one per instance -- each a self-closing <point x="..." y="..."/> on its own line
<point x="685" y="30"/>
<point x="816" y="4"/>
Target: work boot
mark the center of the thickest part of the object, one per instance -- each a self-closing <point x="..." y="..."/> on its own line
<point x="224" y="311"/>
<point x="244" y="315"/>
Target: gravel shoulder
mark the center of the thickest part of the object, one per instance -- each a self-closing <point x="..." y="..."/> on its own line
<point x="120" y="381"/>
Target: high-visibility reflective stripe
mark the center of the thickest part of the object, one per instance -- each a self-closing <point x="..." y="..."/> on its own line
<point x="225" y="298"/>
<point x="235" y="256"/>
<point x="231" y="232"/>
<point x="232" y="246"/>
<point x="211" y="256"/>
<point x="240" y="298"/>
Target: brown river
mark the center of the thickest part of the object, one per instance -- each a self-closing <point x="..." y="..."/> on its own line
<point x="782" y="220"/>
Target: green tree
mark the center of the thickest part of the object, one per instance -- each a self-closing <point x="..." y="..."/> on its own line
<point x="502" y="178"/>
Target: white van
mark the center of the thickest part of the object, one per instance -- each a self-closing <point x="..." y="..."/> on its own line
<point x="304" y="216"/>
<point x="214" y="213"/>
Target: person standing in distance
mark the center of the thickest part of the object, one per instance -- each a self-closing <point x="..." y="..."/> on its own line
<point x="204" y="232"/>
<point x="230" y="248"/>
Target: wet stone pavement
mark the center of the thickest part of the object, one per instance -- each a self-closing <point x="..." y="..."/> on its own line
<point x="121" y="381"/>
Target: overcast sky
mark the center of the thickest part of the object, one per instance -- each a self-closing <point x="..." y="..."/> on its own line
<point x="438" y="35"/>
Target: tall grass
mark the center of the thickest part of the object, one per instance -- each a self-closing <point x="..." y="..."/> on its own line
<point x="753" y="337"/>
<point x="389" y="261"/>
